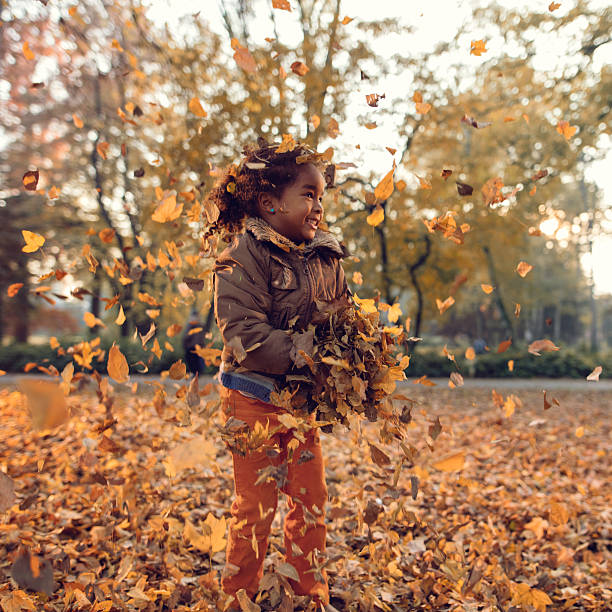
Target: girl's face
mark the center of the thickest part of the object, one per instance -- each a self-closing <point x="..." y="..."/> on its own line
<point x="296" y="214"/>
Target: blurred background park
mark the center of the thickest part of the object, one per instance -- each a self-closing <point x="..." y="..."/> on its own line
<point x="117" y="117"/>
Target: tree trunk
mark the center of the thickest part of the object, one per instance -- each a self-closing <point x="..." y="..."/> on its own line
<point x="497" y="293"/>
<point x="412" y="270"/>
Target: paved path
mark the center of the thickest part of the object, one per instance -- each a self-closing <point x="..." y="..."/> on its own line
<point x="536" y="384"/>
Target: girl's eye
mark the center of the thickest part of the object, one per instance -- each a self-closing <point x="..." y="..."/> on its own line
<point x="310" y="194"/>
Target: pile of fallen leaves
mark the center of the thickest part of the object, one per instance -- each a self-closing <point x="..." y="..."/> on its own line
<point x="351" y="364"/>
<point x="508" y="512"/>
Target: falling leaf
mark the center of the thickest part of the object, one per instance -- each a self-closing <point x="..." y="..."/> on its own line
<point x="509" y="406"/>
<point x="477" y="47"/>
<point x="120" y="320"/>
<point x="487" y="288"/>
<point x="54" y="193"/>
<point x="333" y="129"/>
<point x="580" y="432"/>
<point x="380" y="458"/>
<point x="177" y="370"/>
<point x="384" y="189"/>
<point x="504" y="346"/>
<point x="373" y="98"/>
<point x="315" y="120"/>
<point x="347" y="20"/>
<point x="565" y="129"/>
<point x="443" y="306"/>
<point x="283" y="5"/>
<point x="455" y="380"/>
<point x="594" y="375"/>
<point x="357" y="278"/>
<point x="77" y="121"/>
<point x="30" y="180"/>
<point x="196" y="108"/>
<point x="299" y="68"/>
<point x="107" y="235"/>
<point x="422" y="108"/>
<point x="376" y="217"/>
<point x="553" y="6"/>
<point x="523" y="268"/>
<point x="423" y="380"/>
<point x="91" y="320"/>
<point x="491" y="191"/>
<point x="167" y="210"/>
<point x="452" y="463"/>
<point x="33" y="241"/>
<point x="463" y="189"/>
<point x="541" y="345"/>
<point x="117" y="365"/>
<point x="477" y="124"/>
<point x="423" y="183"/>
<point x="27" y="52"/>
<point x="511" y="365"/>
<point x="470" y="353"/>
<point x="173" y="330"/>
<point x="243" y="57"/>
<point x="517" y="310"/>
<point x="102" y="149"/>
<point x="445" y="173"/>
<point x="13" y="290"/>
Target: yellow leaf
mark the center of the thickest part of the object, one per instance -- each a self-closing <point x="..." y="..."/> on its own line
<point x="117" y="365"/>
<point x="385" y="188"/>
<point x="120" y="320"/>
<point x="509" y="406"/>
<point x="91" y="320"/>
<point x="54" y="193"/>
<point x="357" y="278"/>
<point x="580" y="432"/>
<point x="376" y="217"/>
<point x="33" y="241"/>
<point x="511" y="365"/>
<point x="452" y="463"/>
<point x="196" y="108"/>
<point x="316" y="121"/>
<point x="394" y="313"/>
<point x="470" y="353"/>
<point x="116" y="45"/>
<point x="486" y="288"/>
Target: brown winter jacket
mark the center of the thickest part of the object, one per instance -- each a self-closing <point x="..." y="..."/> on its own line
<point x="263" y="284"/>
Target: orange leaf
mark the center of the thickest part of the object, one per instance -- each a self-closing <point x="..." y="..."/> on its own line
<point x="565" y="129"/>
<point x="541" y="345"/>
<point x="504" y="346"/>
<point x="523" y="268"/>
<point x="299" y="68"/>
<point x="13" y="290"/>
<point x="385" y="188"/>
<point x="243" y="57"/>
<point x="27" y="52"/>
<point x="487" y="288"/>
<point x="477" y="47"/>
<point x="102" y="149"/>
<point x="452" y="463"/>
<point x="347" y="20"/>
<point x="423" y="108"/>
<point x="168" y="210"/>
<point x="580" y="432"/>
<point x="511" y="365"/>
<point x="117" y="365"/>
<point x="553" y="6"/>
<point x="423" y="183"/>
<point x="315" y="121"/>
<point x="470" y="353"/>
<point x="196" y="108"/>
<point x="376" y="217"/>
<point x="120" y="320"/>
<point x="177" y="370"/>
<point x="443" y="306"/>
<point x="54" y="193"/>
<point x="283" y="5"/>
<point x="77" y="121"/>
<point x="107" y="235"/>
<point x="30" y="180"/>
<point x="173" y="330"/>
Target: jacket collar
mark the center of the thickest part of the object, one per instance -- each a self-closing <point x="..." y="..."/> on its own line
<point x="266" y="233"/>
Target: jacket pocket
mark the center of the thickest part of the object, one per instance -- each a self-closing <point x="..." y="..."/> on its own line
<point x="282" y="276"/>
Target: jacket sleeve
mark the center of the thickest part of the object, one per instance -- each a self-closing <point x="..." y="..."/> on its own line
<point x="242" y="304"/>
<point x="341" y="284"/>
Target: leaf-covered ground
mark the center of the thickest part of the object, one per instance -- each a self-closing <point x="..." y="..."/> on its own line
<point x="511" y="512"/>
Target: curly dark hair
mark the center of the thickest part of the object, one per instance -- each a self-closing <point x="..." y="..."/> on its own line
<point x="267" y="168"/>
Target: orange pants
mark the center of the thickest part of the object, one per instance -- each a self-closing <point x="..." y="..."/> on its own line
<point x="254" y="505"/>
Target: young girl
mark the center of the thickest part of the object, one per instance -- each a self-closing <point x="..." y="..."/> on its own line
<point x="278" y="266"/>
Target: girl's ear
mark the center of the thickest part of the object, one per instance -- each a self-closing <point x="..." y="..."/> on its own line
<point x="266" y="203"/>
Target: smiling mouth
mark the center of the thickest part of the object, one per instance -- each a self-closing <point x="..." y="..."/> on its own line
<point x="314" y="223"/>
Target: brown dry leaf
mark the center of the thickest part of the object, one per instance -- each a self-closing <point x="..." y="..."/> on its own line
<point x="558" y="513"/>
<point x="523" y="268"/>
<point x="107" y="235"/>
<point x="299" y="68"/>
<point x="30" y="180"/>
<point x="333" y="128"/>
<point x="594" y="375"/>
<point x="491" y="191"/>
<point x="379" y="457"/>
<point x="178" y="370"/>
<point x="542" y="345"/>
<point x="7" y="492"/>
<point x="455" y="380"/>
<point x="117" y="366"/>
<point x="243" y="57"/>
<point x="451" y="463"/>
